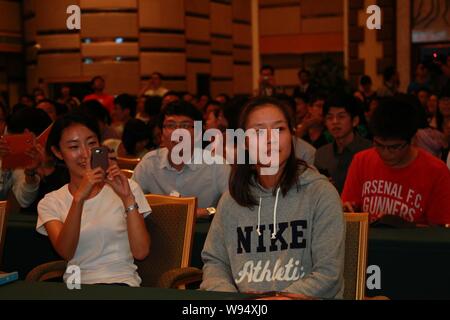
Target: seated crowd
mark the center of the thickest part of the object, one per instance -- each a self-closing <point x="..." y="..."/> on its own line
<point x="375" y="151"/>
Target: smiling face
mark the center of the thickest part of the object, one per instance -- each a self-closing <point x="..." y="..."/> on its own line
<point x="269" y="117"/>
<point x="75" y="148"/>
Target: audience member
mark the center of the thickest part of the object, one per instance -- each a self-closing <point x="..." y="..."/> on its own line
<point x="124" y="110"/>
<point x="94" y="109"/>
<point x="98" y="87"/>
<point x="24" y="182"/>
<point x="159" y="173"/>
<point x="391" y="82"/>
<point x="155" y="87"/>
<point x="96" y="221"/>
<point x="341" y="119"/>
<point x="304" y="88"/>
<point x="396" y="178"/>
<point x="294" y="203"/>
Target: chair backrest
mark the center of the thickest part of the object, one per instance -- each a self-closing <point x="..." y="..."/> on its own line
<point x="355" y="255"/>
<point x="127" y="173"/>
<point x="3" y="219"/>
<point x="125" y="163"/>
<point x="171" y="227"/>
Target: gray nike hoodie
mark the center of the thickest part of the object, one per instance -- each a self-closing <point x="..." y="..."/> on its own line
<point x="303" y="253"/>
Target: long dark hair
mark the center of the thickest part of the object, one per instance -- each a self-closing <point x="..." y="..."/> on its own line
<point x="244" y="176"/>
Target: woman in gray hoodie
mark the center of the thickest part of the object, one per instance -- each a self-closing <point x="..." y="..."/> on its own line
<point x="282" y="231"/>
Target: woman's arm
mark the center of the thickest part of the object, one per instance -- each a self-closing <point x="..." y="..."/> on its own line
<point x="217" y="274"/>
<point x="64" y="236"/>
<point x="138" y="235"/>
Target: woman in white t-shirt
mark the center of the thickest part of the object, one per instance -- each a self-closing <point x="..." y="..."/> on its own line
<point x="96" y="222"/>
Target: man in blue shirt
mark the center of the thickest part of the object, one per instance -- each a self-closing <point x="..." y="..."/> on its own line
<point x="159" y="173"/>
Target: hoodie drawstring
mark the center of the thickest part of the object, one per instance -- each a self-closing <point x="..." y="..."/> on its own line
<point x="259" y="218"/>
<point x="274" y="234"/>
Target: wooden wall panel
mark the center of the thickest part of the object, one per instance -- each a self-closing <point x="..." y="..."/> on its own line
<point x="221" y="19"/>
<point x="218" y="87"/>
<point x="192" y="70"/>
<point x="176" y="85"/>
<point x="197" y="6"/>
<point x="314" y="8"/>
<point x="242" y="55"/>
<point x="272" y="3"/>
<point x="222" y="66"/>
<point x="11" y="20"/>
<point x="105" y="49"/>
<point x="28" y="7"/>
<point x="51" y="15"/>
<point x="279" y="21"/>
<point x="242" y="10"/>
<point x="322" y="25"/>
<point x="222" y="45"/>
<point x="59" y="41"/>
<point x="197" y="51"/>
<point x="30" y="30"/>
<point x="161" y="14"/>
<point x="158" y="40"/>
<point x="120" y="77"/>
<point x="242" y="34"/>
<point x="109" y="25"/>
<point x="242" y="79"/>
<point x="108" y="4"/>
<point x="169" y="64"/>
<point x="59" y="65"/>
<point x="198" y="29"/>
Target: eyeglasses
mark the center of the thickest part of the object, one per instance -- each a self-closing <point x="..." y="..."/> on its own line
<point x="390" y="148"/>
<point x="175" y="125"/>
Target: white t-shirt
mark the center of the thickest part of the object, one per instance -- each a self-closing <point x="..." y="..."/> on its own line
<point x="103" y="252"/>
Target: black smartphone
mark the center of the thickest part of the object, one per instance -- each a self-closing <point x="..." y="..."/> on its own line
<point x="99" y="158"/>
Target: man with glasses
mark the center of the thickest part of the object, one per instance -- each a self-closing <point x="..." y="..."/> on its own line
<point x="159" y="173"/>
<point x="394" y="177"/>
<point x="341" y="119"/>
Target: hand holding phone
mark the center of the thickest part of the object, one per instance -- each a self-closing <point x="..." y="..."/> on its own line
<point x="95" y="173"/>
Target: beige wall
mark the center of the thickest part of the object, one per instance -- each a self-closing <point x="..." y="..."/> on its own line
<point x="293" y="30"/>
<point x="179" y="38"/>
<point x="11" y="66"/>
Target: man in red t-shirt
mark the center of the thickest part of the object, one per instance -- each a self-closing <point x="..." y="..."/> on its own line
<point x="394" y="177"/>
<point x="98" y="85"/>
